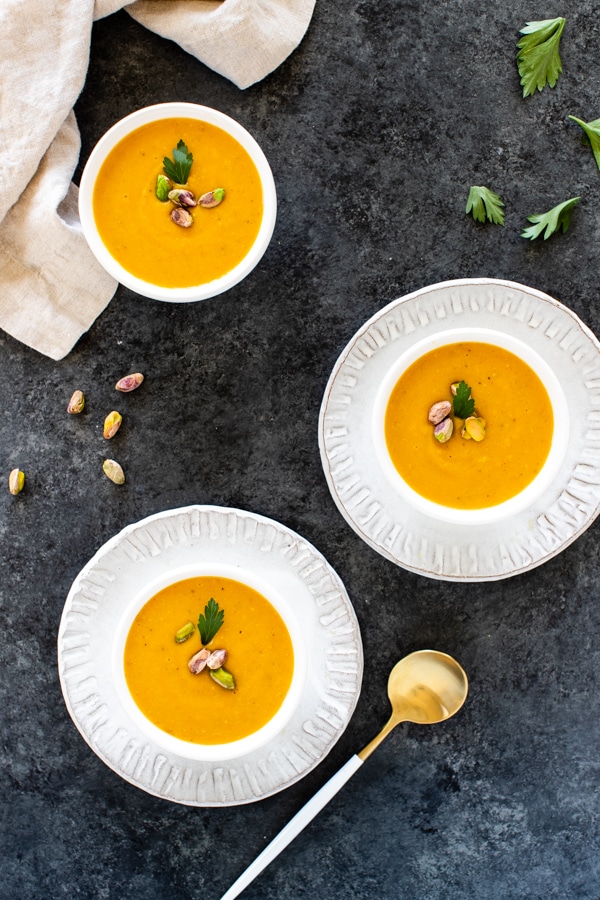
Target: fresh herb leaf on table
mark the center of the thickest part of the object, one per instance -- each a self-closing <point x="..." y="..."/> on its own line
<point x="463" y="404"/>
<point x="178" y="169"/>
<point x="592" y="132"/>
<point x="482" y="202"/>
<point x="557" y="217"/>
<point x="210" y="622"/>
<point x="538" y="59"/>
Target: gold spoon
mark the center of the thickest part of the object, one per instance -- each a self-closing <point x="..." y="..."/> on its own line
<point x="425" y="687"/>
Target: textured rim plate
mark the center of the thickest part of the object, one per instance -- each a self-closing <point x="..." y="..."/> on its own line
<point x="359" y="487"/>
<point x="149" y="548"/>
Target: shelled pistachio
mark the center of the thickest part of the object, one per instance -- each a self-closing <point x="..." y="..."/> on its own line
<point x="113" y="470"/>
<point x="185" y="632"/>
<point x="112" y="423"/>
<point x="198" y="661"/>
<point x="181" y="217"/>
<point x="76" y="403"/>
<point x="223" y="677"/>
<point x="129" y="382"/>
<point x="163" y="186"/>
<point x="16" y="481"/>
<point x="212" y="198"/>
<point x="443" y="431"/>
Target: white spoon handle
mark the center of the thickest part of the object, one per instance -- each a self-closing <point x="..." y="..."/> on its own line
<point x="294" y="826"/>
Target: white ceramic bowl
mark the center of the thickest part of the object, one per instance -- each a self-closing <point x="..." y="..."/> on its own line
<point x="558" y="447"/>
<point x="116" y="134"/>
<point x="232" y="749"/>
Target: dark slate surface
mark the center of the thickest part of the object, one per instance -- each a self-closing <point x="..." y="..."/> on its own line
<point x="375" y="128"/>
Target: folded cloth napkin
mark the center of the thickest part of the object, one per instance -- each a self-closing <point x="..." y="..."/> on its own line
<point x="51" y="287"/>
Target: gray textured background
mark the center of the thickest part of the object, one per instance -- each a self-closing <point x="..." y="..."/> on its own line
<point x="375" y="128"/>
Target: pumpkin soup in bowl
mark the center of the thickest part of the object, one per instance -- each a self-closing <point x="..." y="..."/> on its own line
<point x="209" y="662"/>
<point x="470" y="426"/>
<point x="177" y="201"/>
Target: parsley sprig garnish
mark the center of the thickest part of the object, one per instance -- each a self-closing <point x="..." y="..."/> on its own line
<point x="178" y="169"/>
<point x="463" y="404"/>
<point x="592" y="133"/>
<point x="483" y="202"/>
<point x="556" y="218"/>
<point x="538" y="59"/>
<point x="210" y="622"/>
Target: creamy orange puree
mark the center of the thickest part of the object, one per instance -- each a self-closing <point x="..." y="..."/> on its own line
<point x="461" y="473"/>
<point x="135" y="226"/>
<point x="192" y="707"/>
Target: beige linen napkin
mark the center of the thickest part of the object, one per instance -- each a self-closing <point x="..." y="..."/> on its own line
<point x="51" y="287"/>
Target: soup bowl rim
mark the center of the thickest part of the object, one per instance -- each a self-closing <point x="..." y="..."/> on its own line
<point x="559" y="442"/>
<point x="108" y="142"/>
<point x="231" y="749"/>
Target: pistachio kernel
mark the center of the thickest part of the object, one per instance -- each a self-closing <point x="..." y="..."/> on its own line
<point x="112" y="423"/>
<point x="475" y="428"/>
<point x="223" y="677"/>
<point x="198" y="661"/>
<point x="182" y="197"/>
<point x="216" y="659"/>
<point x="185" y="632"/>
<point x="16" y="481"/>
<point x="212" y="198"/>
<point x="454" y="388"/>
<point x="439" y="411"/>
<point x="129" y="382"/>
<point x="181" y="217"/>
<point x="443" y="431"/>
<point x="465" y="434"/>
<point x="163" y="186"/>
<point x="113" y="470"/>
<point x="76" y="403"/>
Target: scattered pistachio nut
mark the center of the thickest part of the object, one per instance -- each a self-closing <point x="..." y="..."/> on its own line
<point x="113" y="470"/>
<point x="439" y="411"/>
<point x="475" y="428"/>
<point x="181" y="217"/>
<point x="223" y="677"/>
<point x="76" y="403"/>
<point x="129" y="382"/>
<point x="465" y="434"/>
<point x="182" y="197"/>
<point x="198" y="661"/>
<point x="454" y="388"/>
<point x="443" y="431"/>
<point x="216" y="659"/>
<point x="184" y="633"/>
<point x="16" y="481"/>
<point x="212" y="198"/>
<point x="163" y="186"/>
<point x="112" y="423"/>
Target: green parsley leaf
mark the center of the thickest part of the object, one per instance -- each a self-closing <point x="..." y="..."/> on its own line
<point x="538" y="59"/>
<point x="482" y="202"/>
<point x="178" y="169"/>
<point x="557" y="217"/>
<point x="592" y="132"/>
<point x="464" y="404"/>
<point x="210" y="622"/>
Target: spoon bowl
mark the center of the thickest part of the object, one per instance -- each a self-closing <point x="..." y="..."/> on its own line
<point x="425" y="687"/>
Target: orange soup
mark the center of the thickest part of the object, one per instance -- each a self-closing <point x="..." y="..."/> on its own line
<point x="469" y="474"/>
<point x="193" y="707"/>
<point x="135" y="225"/>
